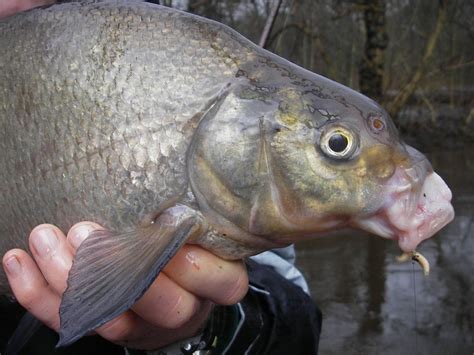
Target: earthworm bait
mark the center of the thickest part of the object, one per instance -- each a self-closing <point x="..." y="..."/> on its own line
<point x="419" y="258"/>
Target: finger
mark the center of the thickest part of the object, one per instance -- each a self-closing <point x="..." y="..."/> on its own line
<point x="157" y="337"/>
<point x="206" y="275"/>
<point x="53" y="255"/>
<point x="130" y="330"/>
<point x="30" y="287"/>
<point x="166" y="304"/>
<point x="79" y="232"/>
<point x="8" y="8"/>
<point x="124" y="328"/>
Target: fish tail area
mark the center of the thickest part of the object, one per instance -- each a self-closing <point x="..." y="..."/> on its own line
<point x="25" y="330"/>
<point x="112" y="270"/>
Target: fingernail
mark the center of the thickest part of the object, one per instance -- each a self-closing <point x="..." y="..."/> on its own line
<point x="79" y="234"/>
<point x="12" y="265"/>
<point x="45" y="242"/>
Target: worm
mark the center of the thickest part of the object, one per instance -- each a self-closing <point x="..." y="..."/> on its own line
<point x="419" y="258"/>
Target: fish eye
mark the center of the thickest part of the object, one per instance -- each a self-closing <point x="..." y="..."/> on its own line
<point x="338" y="143"/>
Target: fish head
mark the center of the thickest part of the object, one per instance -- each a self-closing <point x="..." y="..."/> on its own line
<point x="337" y="160"/>
<point x="300" y="155"/>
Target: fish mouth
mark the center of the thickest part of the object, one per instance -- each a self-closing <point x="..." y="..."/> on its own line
<point x="417" y="205"/>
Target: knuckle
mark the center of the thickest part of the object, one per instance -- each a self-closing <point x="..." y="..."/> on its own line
<point x="117" y="330"/>
<point x="80" y="231"/>
<point x="27" y="296"/>
<point x="181" y="313"/>
<point x="235" y="291"/>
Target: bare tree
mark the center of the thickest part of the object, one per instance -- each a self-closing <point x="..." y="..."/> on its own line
<point x="400" y="99"/>
<point x="371" y="71"/>
<point x="269" y="24"/>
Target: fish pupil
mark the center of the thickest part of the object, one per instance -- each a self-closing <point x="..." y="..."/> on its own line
<point x="338" y="142"/>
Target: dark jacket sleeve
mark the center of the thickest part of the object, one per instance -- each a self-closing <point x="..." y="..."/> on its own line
<point x="275" y="317"/>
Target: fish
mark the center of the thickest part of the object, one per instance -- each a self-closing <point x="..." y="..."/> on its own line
<point x="167" y="128"/>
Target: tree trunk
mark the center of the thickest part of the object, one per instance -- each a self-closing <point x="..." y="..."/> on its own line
<point x="371" y="70"/>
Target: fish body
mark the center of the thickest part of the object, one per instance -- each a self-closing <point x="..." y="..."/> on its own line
<point x="167" y="128"/>
<point x="106" y="114"/>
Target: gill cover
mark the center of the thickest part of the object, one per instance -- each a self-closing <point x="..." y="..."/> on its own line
<point x="280" y="162"/>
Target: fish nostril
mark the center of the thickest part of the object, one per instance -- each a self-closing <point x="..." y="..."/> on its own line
<point x="416" y="175"/>
<point x="403" y="188"/>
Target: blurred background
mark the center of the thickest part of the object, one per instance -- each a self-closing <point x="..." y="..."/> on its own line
<point x="417" y="59"/>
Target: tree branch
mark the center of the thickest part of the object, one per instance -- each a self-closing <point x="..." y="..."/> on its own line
<point x="408" y="90"/>
<point x="447" y="66"/>
<point x="307" y="32"/>
<point x="269" y="24"/>
<point x="430" y="106"/>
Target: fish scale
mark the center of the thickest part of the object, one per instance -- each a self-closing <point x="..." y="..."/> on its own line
<point x="68" y="73"/>
<point x="167" y="128"/>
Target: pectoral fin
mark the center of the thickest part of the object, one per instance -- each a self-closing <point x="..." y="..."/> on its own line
<point x="111" y="270"/>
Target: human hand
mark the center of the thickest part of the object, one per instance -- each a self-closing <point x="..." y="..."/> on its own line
<point x="10" y="7"/>
<point x="175" y="307"/>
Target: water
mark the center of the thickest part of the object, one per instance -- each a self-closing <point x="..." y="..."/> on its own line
<point x="367" y="297"/>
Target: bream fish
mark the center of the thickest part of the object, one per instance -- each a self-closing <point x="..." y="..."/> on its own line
<point x="168" y="128"/>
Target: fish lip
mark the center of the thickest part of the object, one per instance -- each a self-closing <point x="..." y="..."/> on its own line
<point x="411" y="215"/>
<point x="432" y="211"/>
